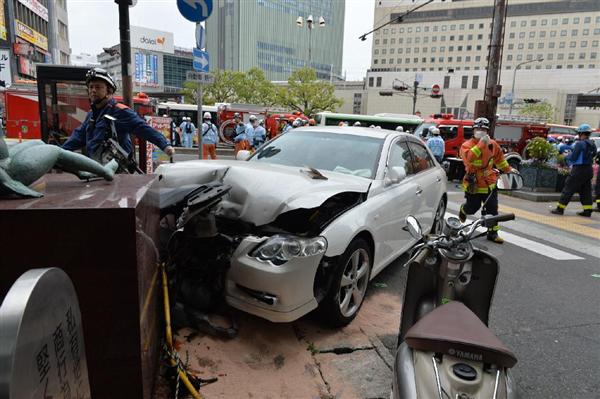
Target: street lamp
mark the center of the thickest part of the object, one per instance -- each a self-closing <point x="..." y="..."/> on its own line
<point x="309" y="25"/>
<point x="513" y="82"/>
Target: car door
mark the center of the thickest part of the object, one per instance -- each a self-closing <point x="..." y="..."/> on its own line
<point x="429" y="181"/>
<point x="394" y="202"/>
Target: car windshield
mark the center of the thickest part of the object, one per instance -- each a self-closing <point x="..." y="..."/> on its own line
<point x="422" y="126"/>
<point x="344" y="153"/>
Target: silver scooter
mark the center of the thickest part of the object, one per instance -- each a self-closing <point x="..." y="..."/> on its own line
<point x="445" y="349"/>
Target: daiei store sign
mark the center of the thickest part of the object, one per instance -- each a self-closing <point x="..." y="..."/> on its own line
<point x="150" y="39"/>
<point x="31" y="35"/>
<point x="36" y="7"/>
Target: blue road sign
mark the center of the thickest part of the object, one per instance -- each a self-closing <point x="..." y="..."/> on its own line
<point x="201" y="60"/>
<point x="195" y="10"/>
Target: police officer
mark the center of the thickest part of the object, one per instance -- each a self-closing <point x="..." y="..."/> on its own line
<point x="260" y="134"/>
<point x="91" y="133"/>
<point x="436" y="143"/>
<point x="480" y="154"/>
<point x="597" y="187"/>
<point x="582" y="172"/>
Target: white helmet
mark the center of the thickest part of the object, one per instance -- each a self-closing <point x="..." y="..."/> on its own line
<point x="297" y="123"/>
<point x="434" y="130"/>
<point x="252" y="118"/>
<point x="207" y="115"/>
<point x="357" y="123"/>
<point x="399" y="129"/>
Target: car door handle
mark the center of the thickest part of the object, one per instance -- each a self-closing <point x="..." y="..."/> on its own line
<point x="438" y="179"/>
<point x="419" y="191"/>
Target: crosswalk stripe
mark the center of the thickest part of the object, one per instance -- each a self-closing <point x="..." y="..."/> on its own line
<point x="531" y="245"/>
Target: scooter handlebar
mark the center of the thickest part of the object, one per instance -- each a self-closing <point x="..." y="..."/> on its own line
<point x="423" y="254"/>
<point x="492" y="220"/>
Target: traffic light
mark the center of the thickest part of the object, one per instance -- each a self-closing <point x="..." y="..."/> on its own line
<point x="386" y="93"/>
<point x="531" y="100"/>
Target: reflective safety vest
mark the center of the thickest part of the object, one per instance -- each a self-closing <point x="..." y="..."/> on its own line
<point x="479" y="160"/>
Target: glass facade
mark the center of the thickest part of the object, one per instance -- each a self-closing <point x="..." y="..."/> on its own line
<point x="175" y="68"/>
<point x="265" y="34"/>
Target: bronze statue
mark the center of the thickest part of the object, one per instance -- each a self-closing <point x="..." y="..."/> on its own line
<point x="26" y="162"/>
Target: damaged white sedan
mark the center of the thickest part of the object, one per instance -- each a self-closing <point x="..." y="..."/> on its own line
<point x="311" y="217"/>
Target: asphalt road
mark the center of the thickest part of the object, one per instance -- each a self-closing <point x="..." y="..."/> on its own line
<point x="546" y="309"/>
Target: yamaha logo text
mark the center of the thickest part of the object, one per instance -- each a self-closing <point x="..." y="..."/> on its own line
<point x="465" y="355"/>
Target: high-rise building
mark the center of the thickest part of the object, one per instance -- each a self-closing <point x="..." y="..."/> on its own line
<point x="159" y="66"/>
<point x="38" y="31"/>
<point x="274" y="35"/>
<point x="562" y="34"/>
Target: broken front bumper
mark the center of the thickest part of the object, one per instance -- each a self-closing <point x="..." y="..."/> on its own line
<point x="277" y="293"/>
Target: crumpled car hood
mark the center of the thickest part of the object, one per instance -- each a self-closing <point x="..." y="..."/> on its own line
<point x="260" y="191"/>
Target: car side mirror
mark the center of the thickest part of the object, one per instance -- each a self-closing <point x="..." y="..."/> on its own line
<point x="395" y="175"/>
<point x="414" y="227"/>
<point x="243" y="155"/>
<point x="510" y="181"/>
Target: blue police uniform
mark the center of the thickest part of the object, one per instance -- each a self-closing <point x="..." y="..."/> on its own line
<point x="437" y="146"/>
<point x="260" y="136"/>
<point x="209" y="133"/>
<point x="580" y="178"/>
<point x="92" y="131"/>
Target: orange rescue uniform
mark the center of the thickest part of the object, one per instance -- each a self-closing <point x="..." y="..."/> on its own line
<point x="479" y="159"/>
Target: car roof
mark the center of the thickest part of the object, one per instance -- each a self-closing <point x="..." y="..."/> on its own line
<point x="352" y="130"/>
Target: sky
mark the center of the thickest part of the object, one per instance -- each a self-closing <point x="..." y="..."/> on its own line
<point x="94" y="24"/>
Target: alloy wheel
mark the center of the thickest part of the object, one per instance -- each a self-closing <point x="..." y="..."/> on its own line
<point x="355" y="279"/>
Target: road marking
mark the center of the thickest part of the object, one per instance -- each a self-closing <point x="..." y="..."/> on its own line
<point x="560" y="222"/>
<point x="531" y="245"/>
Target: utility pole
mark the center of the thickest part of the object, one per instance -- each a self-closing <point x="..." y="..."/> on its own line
<point x="126" y="80"/>
<point x="487" y="107"/>
<point x="415" y="88"/>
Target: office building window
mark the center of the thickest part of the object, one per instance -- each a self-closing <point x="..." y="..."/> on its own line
<point x="392" y="41"/>
<point x="408" y="50"/>
<point x="551" y="45"/>
<point x="426" y="40"/>
<point x="571" y="56"/>
<point x="452" y="38"/>
<point x="521" y="46"/>
<point x="449" y="59"/>
<point x="435" y="28"/>
<point x="585" y="32"/>
<point x="533" y="22"/>
<point x="392" y="51"/>
<point x="565" y="21"/>
<point x="409" y="40"/>
<point x="384" y="41"/>
<point x="509" y="57"/>
<point x="452" y="27"/>
<point x="513" y="24"/>
<point x="480" y="26"/>
<point x="416" y="51"/>
<point x="531" y="35"/>
<point x="475" y="83"/>
<point x="519" y="57"/>
<point x="384" y="51"/>
<point x="417" y="40"/>
<point x="542" y="34"/>
<point x="434" y="39"/>
<point x="379" y="81"/>
<point x="461" y="27"/>
<point x="376" y="51"/>
<point x="418" y="29"/>
<point x="477" y="58"/>
<point x="479" y="37"/>
<point x="471" y="26"/>
<point x="371" y="81"/>
<point x="573" y="44"/>
<point x="450" y="48"/>
<point x="560" y="56"/>
<point x="433" y="49"/>
<point x="442" y="49"/>
<point x="594" y="43"/>
<point x="553" y="33"/>
<point x="470" y="37"/>
<point x="461" y="37"/>
<point x="544" y="22"/>
<point x="540" y="45"/>
<point x="459" y="48"/>
<point x="386" y="31"/>
<point x="529" y="58"/>
<point x="574" y="32"/>
<point x="446" y="82"/>
<point x="459" y="59"/>
<point x="401" y="30"/>
<point x="561" y="45"/>
<point x="575" y="20"/>
<point x="587" y="20"/>
<point x="591" y="66"/>
<point x="554" y="21"/>
<point x="426" y="29"/>
<point x="376" y="41"/>
<point x="563" y="33"/>
<point x="582" y="56"/>
<point x="530" y="46"/>
<point x="409" y="30"/>
<point x="511" y="35"/>
<point x="398" y="60"/>
<point x="464" y="82"/>
<point x="521" y="35"/>
<point x="391" y="61"/>
<point x="400" y="50"/>
<point x="375" y="61"/>
<point x="478" y="47"/>
<point x="593" y="56"/>
<point x="550" y="57"/>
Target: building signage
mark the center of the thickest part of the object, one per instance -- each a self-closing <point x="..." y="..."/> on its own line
<point x="36" y="7"/>
<point x="146" y="69"/>
<point x="150" y="39"/>
<point x="5" y="75"/>
<point x="32" y="36"/>
<point x="26" y="67"/>
<point x="2" y="21"/>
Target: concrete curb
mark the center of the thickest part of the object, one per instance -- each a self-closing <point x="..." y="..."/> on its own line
<point x="536" y="196"/>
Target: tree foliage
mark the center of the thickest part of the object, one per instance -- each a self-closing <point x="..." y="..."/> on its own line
<point x="544" y="111"/>
<point x="304" y="92"/>
<point x="308" y="95"/>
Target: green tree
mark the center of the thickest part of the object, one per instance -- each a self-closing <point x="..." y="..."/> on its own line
<point x="225" y="89"/>
<point x="256" y="89"/>
<point x="544" y="111"/>
<point x="308" y="95"/>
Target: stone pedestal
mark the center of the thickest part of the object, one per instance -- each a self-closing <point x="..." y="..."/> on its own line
<point x="102" y="235"/>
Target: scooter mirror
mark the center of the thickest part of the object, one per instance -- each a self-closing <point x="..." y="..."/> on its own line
<point x="414" y="227"/>
<point x="510" y="181"/>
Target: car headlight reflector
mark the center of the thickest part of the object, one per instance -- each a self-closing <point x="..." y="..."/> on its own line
<point x="280" y="249"/>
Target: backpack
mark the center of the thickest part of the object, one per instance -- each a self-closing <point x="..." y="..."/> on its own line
<point x="188" y="128"/>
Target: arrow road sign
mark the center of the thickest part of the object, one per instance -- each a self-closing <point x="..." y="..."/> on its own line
<point x="195" y="10"/>
<point x="201" y="60"/>
<point x="200" y="77"/>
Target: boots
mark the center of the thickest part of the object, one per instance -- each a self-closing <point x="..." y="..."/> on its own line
<point x="586" y="212"/>
<point x="494" y="237"/>
<point x="558" y="211"/>
<point x="462" y="216"/>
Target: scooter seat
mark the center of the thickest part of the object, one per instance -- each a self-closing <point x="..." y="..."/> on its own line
<point x="453" y="329"/>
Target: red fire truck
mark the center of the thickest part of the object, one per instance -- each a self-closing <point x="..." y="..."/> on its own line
<point x="511" y="132"/>
<point x="22" y="109"/>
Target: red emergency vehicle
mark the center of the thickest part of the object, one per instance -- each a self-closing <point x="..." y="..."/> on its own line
<point x="512" y="132"/>
<point x="22" y="112"/>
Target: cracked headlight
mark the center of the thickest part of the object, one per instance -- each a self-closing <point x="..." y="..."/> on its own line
<point x="280" y="249"/>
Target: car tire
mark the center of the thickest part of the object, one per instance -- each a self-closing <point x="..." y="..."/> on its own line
<point x="438" y="219"/>
<point x="349" y="285"/>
